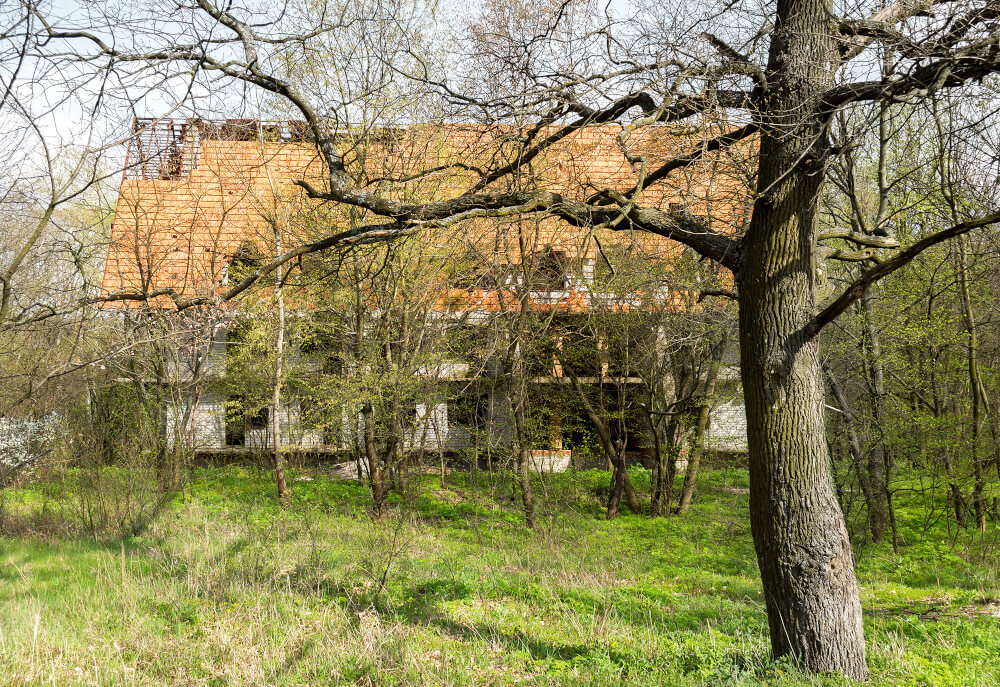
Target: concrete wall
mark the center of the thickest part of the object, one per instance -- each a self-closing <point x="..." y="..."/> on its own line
<point x="208" y="422"/>
<point x="206" y="429"/>
<point x="727" y="430"/>
<point x="431" y="429"/>
<point x="550" y="461"/>
<point x="433" y="432"/>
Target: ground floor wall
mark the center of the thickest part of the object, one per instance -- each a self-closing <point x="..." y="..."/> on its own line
<point x="727" y="429"/>
<point x="206" y="429"/>
<point x="433" y="429"/>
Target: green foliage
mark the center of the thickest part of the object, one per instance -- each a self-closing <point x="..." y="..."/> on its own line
<point x="450" y="588"/>
<point x="124" y="422"/>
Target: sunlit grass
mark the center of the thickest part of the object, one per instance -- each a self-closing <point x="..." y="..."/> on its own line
<point x="225" y="587"/>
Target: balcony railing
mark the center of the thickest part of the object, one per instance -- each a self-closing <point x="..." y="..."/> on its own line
<point x="160" y="149"/>
<point x="167" y="149"/>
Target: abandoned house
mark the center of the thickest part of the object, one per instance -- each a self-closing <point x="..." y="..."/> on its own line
<point x="202" y="200"/>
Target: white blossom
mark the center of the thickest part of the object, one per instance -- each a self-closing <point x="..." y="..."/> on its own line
<point x="23" y="441"/>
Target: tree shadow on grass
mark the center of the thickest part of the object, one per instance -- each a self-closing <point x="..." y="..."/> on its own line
<point x="643" y="607"/>
<point x="422" y="607"/>
<point x="295" y="656"/>
<point x="514" y="640"/>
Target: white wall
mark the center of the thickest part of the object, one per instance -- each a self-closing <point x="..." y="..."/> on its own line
<point x="727" y="430"/>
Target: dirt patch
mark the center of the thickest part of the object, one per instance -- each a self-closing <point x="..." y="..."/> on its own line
<point x="934" y="609"/>
<point x="448" y="496"/>
<point x="739" y="491"/>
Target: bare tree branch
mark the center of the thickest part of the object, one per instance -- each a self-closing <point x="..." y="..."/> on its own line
<point x="887" y="267"/>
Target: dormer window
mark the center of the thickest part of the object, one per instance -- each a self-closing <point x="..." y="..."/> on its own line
<point x="549" y="269"/>
<point x="245" y="261"/>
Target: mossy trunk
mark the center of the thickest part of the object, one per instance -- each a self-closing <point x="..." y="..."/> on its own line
<point x="879" y="456"/>
<point x="620" y="484"/>
<point x="615" y="491"/>
<point x="701" y="428"/>
<point x="377" y="478"/>
<point x="803" y="550"/>
<point x="658" y="479"/>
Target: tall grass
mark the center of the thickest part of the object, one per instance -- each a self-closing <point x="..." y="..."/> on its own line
<point x="225" y="587"/>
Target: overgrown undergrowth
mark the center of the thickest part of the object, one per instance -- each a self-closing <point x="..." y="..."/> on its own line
<point x="224" y="587"/>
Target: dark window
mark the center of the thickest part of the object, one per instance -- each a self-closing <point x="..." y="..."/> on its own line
<point x="628" y="351"/>
<point x="579" y="347"/>
<point x="538" y="358"/>
<point x="408" y="414"/>
<point x="468" y="343"/>
<point x="325" y="418"/>
<point x="333" y="365"/>
<point x="258" y="419"/>
<point x="548" y="269"/>
<point x="235" y="423"/>
<point x="333" y="432"/>
<point x="615" y="260"/>
<point x="244" y="262"/>
<point x="469" y="410"/>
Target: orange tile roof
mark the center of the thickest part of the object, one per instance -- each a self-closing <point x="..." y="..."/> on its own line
<point x="211" y="195"/>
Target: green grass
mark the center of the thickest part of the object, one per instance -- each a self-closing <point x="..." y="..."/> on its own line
<point x="225" y="587"/>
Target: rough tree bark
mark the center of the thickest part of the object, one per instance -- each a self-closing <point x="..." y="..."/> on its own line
<point x="657" y="505"/>
<point x="377" y="478"/>
<point x="803" y="550"/>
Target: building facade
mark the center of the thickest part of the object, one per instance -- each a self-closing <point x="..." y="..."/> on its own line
<point x="202" y="202"/>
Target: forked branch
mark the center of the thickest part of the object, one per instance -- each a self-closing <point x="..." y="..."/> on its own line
<point x="856" y="290"/>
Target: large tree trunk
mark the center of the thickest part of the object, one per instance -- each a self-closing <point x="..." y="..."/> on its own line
<point x="803" y="550"/>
